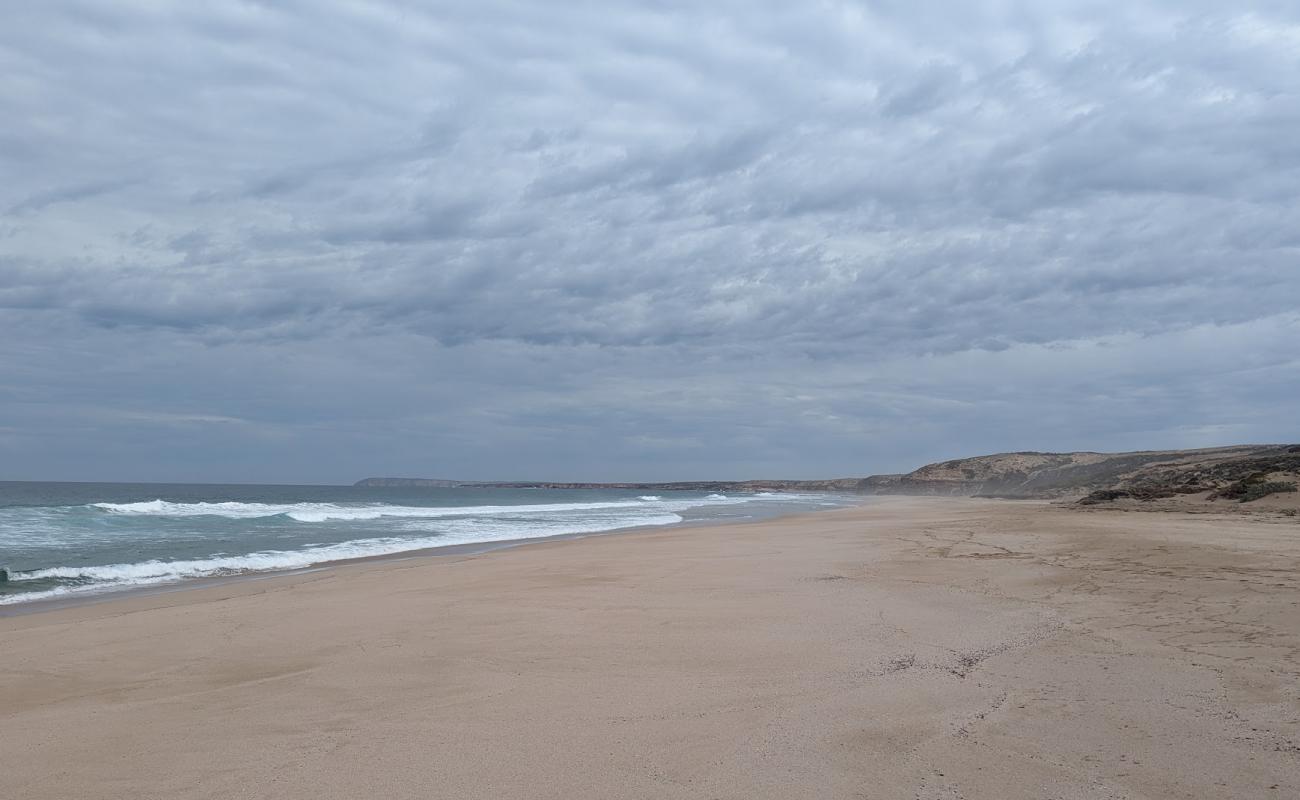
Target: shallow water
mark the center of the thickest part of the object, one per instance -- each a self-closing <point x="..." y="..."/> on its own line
<point x="60" y="539"/>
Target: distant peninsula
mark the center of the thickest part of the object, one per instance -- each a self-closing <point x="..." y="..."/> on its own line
<point x="421" y="483"/>
<point x="832" y="485"/>
<point x="1241" y="473"/>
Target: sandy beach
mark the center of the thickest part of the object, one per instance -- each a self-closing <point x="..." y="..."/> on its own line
<point x="909" y="648"/>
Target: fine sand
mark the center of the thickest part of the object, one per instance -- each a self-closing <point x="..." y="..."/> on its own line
<point x="909" y="648"/>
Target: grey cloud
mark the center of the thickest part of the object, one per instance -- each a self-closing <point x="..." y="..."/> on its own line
<point x="67" y="194"/>
<point x="934" y="84"/>
<point x="646" y="227"/>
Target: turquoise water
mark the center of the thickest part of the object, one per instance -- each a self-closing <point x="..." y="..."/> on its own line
<point x="65" y="539"/>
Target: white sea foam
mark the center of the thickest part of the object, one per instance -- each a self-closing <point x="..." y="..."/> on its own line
<point x="321" y="512"/>
<point x="158" y="572"/>
<point x="170" y="534"/>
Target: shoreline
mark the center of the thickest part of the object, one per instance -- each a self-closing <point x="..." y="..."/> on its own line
<point x="911" y="647"/>
<point x="108" y="595"/>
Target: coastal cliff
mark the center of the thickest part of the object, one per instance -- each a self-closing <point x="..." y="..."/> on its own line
<point x="1140" y="475"/>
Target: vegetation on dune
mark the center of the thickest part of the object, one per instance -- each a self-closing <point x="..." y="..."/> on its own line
<point x="1240" y="479"/>
<point x="1148" y="491"/>
<point x="1253" y="487"/>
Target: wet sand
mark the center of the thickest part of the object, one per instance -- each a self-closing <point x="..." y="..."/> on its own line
<point x="910" y="648"/>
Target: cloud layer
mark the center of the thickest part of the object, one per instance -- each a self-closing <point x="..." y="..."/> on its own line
<point x="312" y="241"/>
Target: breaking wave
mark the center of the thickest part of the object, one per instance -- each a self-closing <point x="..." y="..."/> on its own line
<point x="321" y="512"/>
<point x="78" y="580"/>
<point x="90" y="545"/>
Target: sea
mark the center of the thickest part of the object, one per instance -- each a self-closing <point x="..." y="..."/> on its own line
<point x="65" y="540"/>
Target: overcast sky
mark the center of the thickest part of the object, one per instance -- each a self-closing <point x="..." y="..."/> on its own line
<point x="314" y="241"/>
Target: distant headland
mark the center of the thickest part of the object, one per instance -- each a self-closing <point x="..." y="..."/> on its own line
<point x="1241" y="473"/>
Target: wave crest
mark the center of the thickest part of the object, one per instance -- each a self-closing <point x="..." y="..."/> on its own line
<point x="158" y="572"/>
<point x="322" y="512"/>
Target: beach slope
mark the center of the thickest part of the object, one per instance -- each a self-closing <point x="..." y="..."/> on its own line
<point x="910" y="648"/>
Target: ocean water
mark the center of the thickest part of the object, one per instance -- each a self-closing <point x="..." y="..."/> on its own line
<point x="67" y="539"/>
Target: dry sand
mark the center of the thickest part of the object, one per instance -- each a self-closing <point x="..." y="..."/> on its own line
<point x="907" y="649"/>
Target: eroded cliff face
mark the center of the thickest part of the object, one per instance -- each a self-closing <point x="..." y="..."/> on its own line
<point x="1002" y="473"/>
